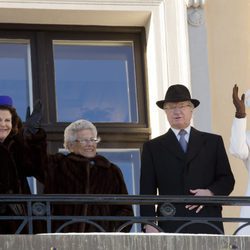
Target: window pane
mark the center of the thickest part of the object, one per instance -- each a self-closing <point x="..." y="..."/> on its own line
<point x="15" y="73"/>
<point x="95" y="81"/>
<point x="128" y="160"/>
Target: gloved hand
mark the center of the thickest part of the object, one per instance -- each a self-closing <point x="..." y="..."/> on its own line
<point x="33" y="121"/>
<point x="239" y="103"/>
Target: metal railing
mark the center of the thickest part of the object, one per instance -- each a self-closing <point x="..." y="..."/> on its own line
<point x="39" y="208"/>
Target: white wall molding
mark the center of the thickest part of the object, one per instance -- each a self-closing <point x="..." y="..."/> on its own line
<point x="61" y="3"/>
<point x="196" y="17"/>
<point x="195" y="3"/>
<point x="199" y="67"/>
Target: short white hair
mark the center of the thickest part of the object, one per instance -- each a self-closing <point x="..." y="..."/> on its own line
<point x="70" y="131"/>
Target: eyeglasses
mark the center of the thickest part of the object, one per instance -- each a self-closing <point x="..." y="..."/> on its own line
<point x="181" y="107"/>
<point x="88" y="141"/>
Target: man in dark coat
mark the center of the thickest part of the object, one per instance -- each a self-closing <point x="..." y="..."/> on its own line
<point x="184" y="161"/>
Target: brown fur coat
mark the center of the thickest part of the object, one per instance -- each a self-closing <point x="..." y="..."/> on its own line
<point x="19" y="158"/>
<point x="75" y="174"/>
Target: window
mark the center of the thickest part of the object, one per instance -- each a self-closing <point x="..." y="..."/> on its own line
<point x="127" y="160"/>
<point x="95" y="80"/>
<point x="15" y="73"/>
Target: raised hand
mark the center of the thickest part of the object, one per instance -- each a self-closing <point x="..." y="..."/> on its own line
<point x="33" y="121"/>
<point x="239" y="103"/>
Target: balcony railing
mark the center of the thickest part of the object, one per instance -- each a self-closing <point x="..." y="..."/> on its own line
<point x="39" y="208"/>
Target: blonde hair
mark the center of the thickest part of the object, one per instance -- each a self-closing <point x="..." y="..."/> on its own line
<point x="70" y="131"/>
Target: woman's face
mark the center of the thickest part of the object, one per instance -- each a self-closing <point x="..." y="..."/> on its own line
<point x="85" y="144"/>
<point x="5" y="123"/>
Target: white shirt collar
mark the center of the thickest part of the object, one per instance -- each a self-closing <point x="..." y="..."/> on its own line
<point x="176" y="132"/>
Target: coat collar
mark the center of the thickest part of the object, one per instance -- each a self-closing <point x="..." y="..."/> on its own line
<point x="98" y="160"/>
<point x="196" y="140"/>
<point x="171" y="143"/>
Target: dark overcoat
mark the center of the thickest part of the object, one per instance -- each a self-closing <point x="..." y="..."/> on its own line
<point x="75" y="174"/>
<point x="19" y="159"/>
<point x="205" y="165"/>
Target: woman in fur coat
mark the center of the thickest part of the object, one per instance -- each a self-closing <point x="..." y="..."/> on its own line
<point x="83" y="171"/>
<point x="18" y="160"/>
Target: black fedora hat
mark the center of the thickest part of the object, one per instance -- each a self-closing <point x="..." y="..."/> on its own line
<point x="177" y="93"/>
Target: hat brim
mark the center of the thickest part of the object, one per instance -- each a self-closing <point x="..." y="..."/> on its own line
<point x="160" y="103"/>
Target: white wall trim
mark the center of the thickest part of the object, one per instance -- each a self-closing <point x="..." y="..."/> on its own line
<point x="195" y="3"/>
<point x="62" y="4"/>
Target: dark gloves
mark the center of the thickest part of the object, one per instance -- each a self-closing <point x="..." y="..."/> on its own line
<point x="239" y="103"/>
<point x="32" y="123"/>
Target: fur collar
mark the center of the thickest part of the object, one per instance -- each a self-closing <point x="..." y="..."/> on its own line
<point x="98" y="160"/>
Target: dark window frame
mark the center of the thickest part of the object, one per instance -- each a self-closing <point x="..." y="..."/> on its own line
<point x="114" y="135"/>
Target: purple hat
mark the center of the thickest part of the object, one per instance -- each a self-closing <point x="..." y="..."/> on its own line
<point x="6" y="100"/>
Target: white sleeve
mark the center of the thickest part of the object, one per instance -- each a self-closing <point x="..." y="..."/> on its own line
<point x="238" y="141"/>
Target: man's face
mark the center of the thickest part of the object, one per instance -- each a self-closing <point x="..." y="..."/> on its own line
<point x="179" y="114"/>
